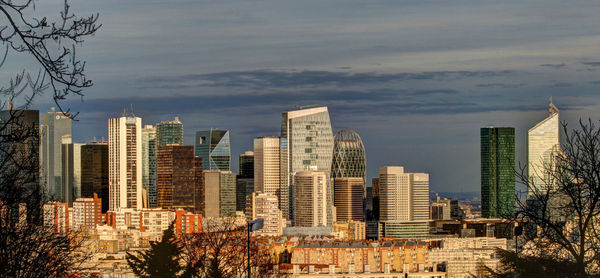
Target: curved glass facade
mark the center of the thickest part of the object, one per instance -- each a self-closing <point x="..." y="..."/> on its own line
<point x="349" y="160"/>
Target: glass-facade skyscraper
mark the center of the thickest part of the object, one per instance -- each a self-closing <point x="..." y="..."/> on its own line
<point x="169" y="132"/>
<point x="149" y="149"/>
<point x="213" y="147"/>
<point x="348" y="172"/>
<point x="310" y="146"/>
<point x="497" y="172"/>
<point x="54" y="126"/>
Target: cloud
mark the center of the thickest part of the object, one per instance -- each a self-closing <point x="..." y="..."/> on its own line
<point x="554" y="66"/>
<point x="260" y="79"/>
<point x="500" y="85"/>
<point x="591" y="64"/>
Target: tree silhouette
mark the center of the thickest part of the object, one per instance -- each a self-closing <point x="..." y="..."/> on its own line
<point x="163" y="259"/>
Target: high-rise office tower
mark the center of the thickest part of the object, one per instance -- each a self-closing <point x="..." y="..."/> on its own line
<point x="243" y="188"/>
<point x="310" y="146"/>
<point x="403" y="196"/>
<point x="246" y="163"/>
<point x="244" y="180"/>
<point x="169" y="132"/>
<point x="404" y="203"/>
<point x="348" y="171"/>
<point x="310" y="204"/>
<point x="22" y="170"/>
<point x="375" y="185"/>
<point x="54" y="126"/>
<point x="497" y="172"/>
<point x="219" y="193"/>
<point x="125" y="161"/>
<point x="149" y="145"/>
<point x="213" y="147"/>
<point x="94" y="172"/>
<point x="270" y="172"/>
<point x="265" y="206"/>
<point x="349" y="194"/>
<point x="543" y="146"/>
<point x="71" y="171"/>
<point x="179" y="178"/>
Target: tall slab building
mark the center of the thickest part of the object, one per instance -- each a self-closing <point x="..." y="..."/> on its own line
<point x="310" y="147"/>
<point x="125" y="161"/>
<point x="403" y="203"/>
<point x="94" y="172"/>
<point x="71" y="170"/>
<point x="179" y="178"/>
<point x="213" y="147"/>
<point x="270" y="170"/>
<point x="348" y="171"/>
<point x="543" y="146"/>
<point x="219" y="193"/>
<point x="54" y="126"/>
<point x="497" y="172"/>
<point x="310" y="191"/>
<point x="149" y="146"/>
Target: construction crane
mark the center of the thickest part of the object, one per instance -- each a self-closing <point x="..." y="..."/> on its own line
<point x="300" y="107"/>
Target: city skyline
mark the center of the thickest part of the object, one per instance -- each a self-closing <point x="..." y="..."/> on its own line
<point x="445" y="80"/>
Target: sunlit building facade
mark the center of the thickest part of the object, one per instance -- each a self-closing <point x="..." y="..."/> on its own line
<point x="270" y="171"/>
<point x="149" y="163"/>
<point x="348" y="172"/>
<point x="542" y="146"/>
<point x="125" y="161"/>
<point x="310" y="147"/>
<point x="310" y="203"/>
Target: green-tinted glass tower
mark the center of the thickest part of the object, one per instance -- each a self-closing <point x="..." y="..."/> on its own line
<point x="497" y="172"/>
<point x="169" y="132"/>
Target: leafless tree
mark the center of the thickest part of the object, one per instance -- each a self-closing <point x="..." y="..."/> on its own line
<point x="560" y="212"/>
<point x="27" y="248"/>
<point x="221" y="251"/>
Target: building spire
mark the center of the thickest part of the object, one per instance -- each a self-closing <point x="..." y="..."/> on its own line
<point x="552" y="108"/>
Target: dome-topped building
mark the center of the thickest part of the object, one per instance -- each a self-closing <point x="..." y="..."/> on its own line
<point x="348" y="172"/>
<point x="349" y="160"/>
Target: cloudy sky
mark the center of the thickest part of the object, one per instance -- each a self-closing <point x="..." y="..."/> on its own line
<point x="416" y="79"/>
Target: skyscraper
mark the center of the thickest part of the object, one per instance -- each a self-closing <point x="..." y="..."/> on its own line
<point x="348" y="172"/>
<point x="169" y="132"/>
<point x="497" y="172"/>
<point x="245" y="180"/>
<point x="54" y="126"/>
<point x="349" y="194"/>
<point x="94" y="172"/>
<point x="310" y="146"/>
<point x="310" y="205"/>
<point x="20" y="179"/>
<point x="179" y="178"/>
<point x="213" y="147"/>
<point x="125" y="161"/>
<point x="149" y="163"/>
<point x="542" y="146"/>
<point x="404" y="203"/>
<point x="246" y="163"/>
<point x="219" y="193"/>
<point x="270" y="176"/>
<point x="71" y="171"/>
